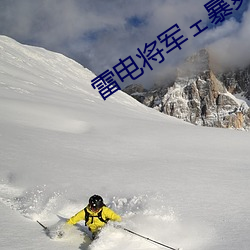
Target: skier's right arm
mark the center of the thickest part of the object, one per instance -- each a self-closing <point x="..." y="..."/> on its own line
<point x="77" y="217"/>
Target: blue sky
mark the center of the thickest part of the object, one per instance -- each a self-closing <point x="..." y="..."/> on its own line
<point x="98" y="33"/>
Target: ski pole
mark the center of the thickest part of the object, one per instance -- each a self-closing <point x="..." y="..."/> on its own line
<point x="45" y="228"/>
<point x="146" y="238"/>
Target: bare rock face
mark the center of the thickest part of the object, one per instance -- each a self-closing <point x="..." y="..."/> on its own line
<point x="198" y="96"/>
<point x="137" y="91"/>
<point x="237" y="81"/>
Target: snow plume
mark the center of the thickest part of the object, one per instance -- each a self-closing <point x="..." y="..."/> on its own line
<point x="35" y="203"/>
<point x="147" y="215"/>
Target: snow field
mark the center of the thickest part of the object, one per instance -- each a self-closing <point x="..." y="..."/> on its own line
<point x="60" y="143"/>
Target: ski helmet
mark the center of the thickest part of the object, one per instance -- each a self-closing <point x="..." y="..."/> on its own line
<point x="96" y="202"/>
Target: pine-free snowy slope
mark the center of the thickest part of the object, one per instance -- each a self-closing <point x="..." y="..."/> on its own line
<point x="182" y="185"/>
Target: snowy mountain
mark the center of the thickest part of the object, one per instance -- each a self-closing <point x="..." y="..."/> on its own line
<point x="182" y="185"/>
<point x="201" y="95"/>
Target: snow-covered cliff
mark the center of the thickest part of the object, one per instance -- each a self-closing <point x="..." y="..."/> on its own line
<point x="202" y="97"/>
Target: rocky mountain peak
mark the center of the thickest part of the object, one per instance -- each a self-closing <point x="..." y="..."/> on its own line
<point x="200" y="96"/>
<point x="197" y="64"/>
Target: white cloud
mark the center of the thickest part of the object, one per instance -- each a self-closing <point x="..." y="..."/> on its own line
<point x="97" y="33"/>
<point x="232" y="44"/>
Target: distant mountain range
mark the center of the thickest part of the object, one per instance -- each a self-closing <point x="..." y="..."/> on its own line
<point x="202" y="94"/>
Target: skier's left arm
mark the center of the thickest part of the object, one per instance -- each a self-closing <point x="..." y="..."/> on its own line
<point x="111" y="215"/>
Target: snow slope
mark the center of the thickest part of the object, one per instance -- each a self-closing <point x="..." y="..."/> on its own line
<point x="176" y="183"/>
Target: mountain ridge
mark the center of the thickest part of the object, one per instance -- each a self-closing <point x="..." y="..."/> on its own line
<point x="200" y="95"/>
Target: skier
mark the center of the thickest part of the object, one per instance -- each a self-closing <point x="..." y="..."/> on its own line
<point x="95" y="214"/>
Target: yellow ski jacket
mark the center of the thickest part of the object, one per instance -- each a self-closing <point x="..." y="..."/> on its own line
<point x="94" y="223"/>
